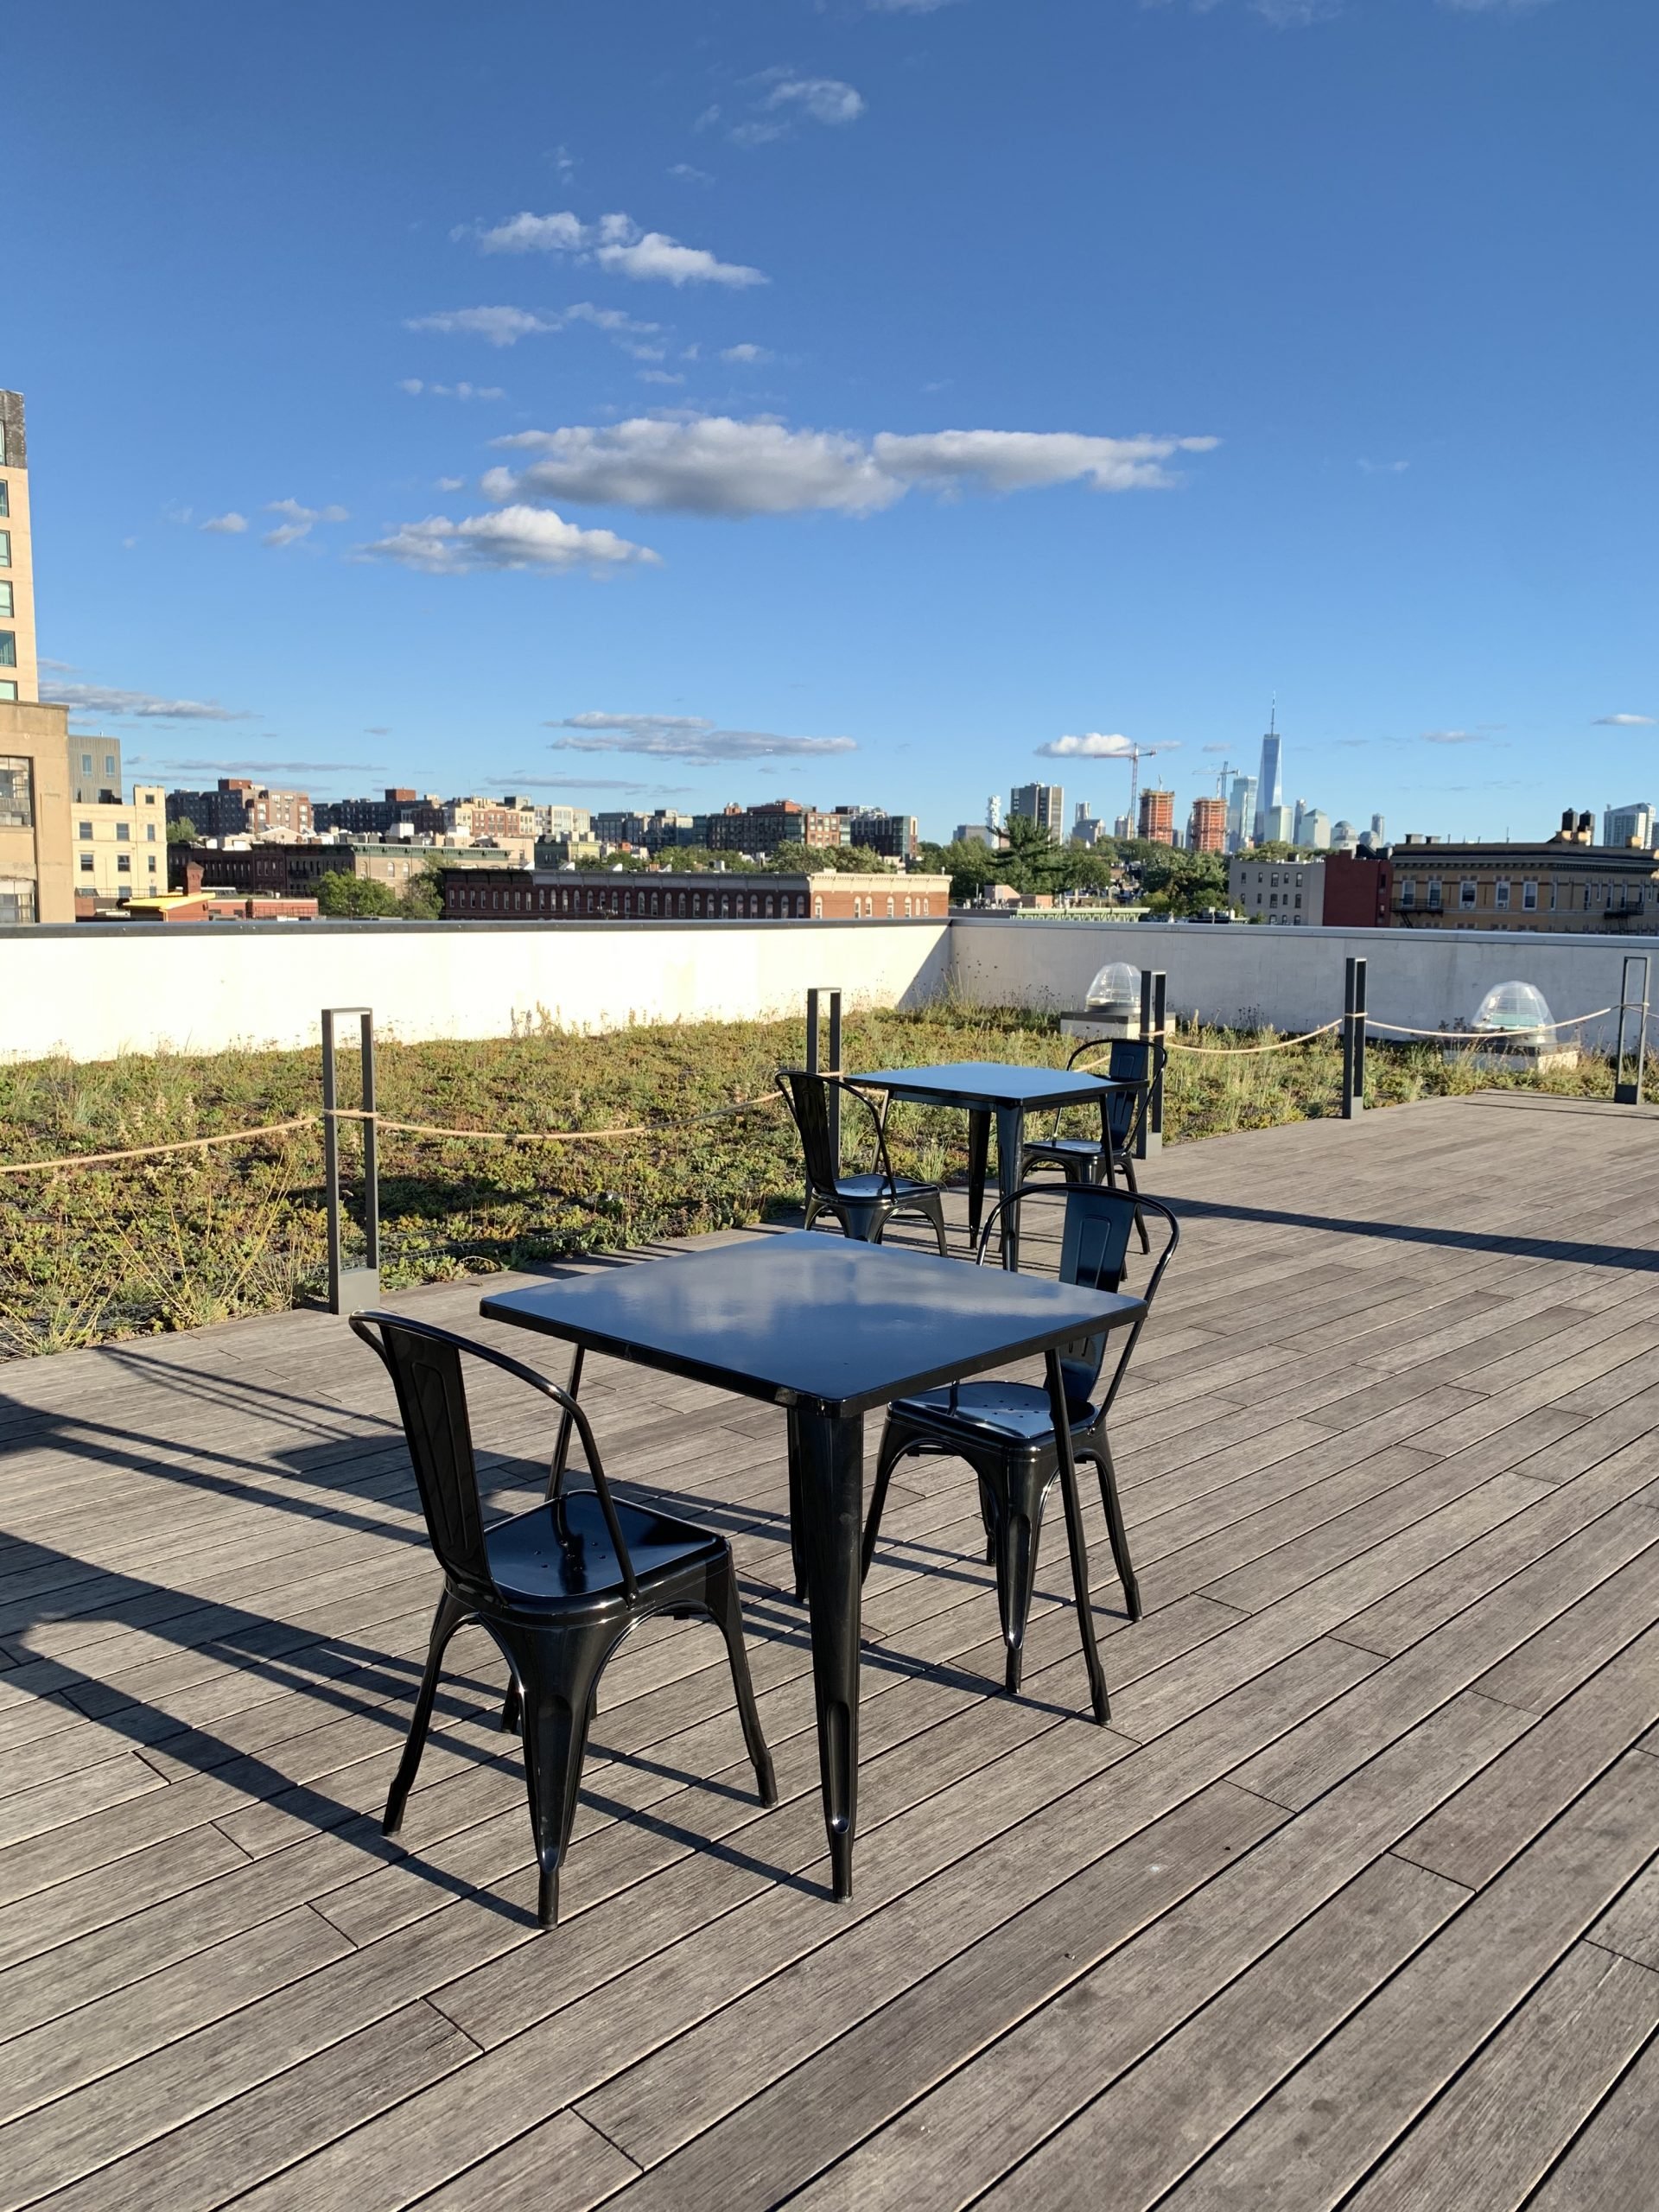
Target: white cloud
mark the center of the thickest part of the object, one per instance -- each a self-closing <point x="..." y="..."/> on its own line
<point x="1453" y="737"/>
<point x="99" y="699"/>
<point x="685" y="737"/>
<point x="499" y="326"/>
<point x="451" y="484"/>
<point x="1625" y="721"/>
<point x="514" y="537"/>
<point x="260" y="767"/>
<point x="229" y="525"/>
<point x="660" y="376"/>
<point x="300" y="522"/>
<point x="689" y="175"/>
<point x="905" y="7"/>
<point x="414" y="387"/>
<point x="616" y="243"/>
<point x="713" y="465"/>
<point x="1385" y="467"/>
<point x="1296" y="15"/>
<point x="1102" y="745"/>
<point x="747" y="353"/>
<point x="826" y="99"/>
<point x="1493" y="7"/>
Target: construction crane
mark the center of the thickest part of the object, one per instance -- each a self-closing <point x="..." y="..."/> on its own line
<point x="1134" y="755"/>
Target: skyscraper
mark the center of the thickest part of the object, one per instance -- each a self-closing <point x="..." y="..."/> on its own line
<point x="1240" y="812"/>
<point x="1044" y="803"/>
<point x="1269" y="788"/>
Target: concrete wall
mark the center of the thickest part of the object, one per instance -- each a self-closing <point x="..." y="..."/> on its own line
<point x="1290" y="978"/>
<point x="98" y="989"/>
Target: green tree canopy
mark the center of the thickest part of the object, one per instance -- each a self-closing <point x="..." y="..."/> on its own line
<point x="344" y="897"/>
<point x="182" y="832"/>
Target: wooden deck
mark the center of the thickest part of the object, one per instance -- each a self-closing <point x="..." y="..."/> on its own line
<point x="1353" y="1904"/>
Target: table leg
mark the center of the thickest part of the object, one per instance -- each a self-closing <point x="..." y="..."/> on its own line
<point x="1010" y="1150"/>
<point x="979" y="1149"/>
<point x="829" y="1487"/>
<point x="1075" y="1542"/>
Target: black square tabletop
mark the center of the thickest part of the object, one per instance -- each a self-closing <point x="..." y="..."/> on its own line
<point x="806" y="1318"/>
<point x="987" y="1083"/>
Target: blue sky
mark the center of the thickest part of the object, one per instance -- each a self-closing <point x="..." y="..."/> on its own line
<point x="870" y="395"/>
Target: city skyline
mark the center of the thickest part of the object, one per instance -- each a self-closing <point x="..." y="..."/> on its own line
<point x="469" y="476"/>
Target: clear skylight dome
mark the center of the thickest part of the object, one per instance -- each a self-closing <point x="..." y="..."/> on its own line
<point x="1116" y="990"/>
<point x="1518" y="1011"/>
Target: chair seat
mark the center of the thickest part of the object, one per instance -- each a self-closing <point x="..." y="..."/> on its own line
<point x="1016" y="1410"/>
<point x="864" y="1187"/>
<point x="561" y="1554"/>
<point x="1065" y="1149"/>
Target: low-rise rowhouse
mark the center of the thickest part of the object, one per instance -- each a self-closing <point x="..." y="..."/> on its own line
<point x="279" y="871"/>
<point x="1344" y="891"/>
<point x="1563" y="885"/>
<point x="502" y="894"/>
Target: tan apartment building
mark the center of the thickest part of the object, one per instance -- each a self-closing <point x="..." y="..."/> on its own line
<point x="1564" y="884"/>
<point x="94" y="770"/>
<point x="20" y="676"/>
<point x="36" y="871"/>
<point x="514" y="819"/>
<point x="120" y="850"/>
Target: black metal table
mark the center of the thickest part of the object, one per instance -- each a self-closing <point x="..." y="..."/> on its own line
<point x="990" y="1090"/>
<point x="828" y="1328"/>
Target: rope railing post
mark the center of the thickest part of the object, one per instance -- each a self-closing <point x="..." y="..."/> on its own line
<point x="814" y="996"/>
<point x="1152" y="992"/>
<point x="1627" y="1091"/>
<point x="1353" y="1040"/>
<point x="351" y="1289"/>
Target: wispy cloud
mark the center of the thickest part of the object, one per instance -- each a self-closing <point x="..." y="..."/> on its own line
<point x="301" y="520"/>
<point x="229" y="525"/>
<point x="1493" y="7"/>
<point x="747" y="355"/>
<point x="415" y="389"/>
<point x="618" y="243"/>
<point x="261" y="766"/>
<point x="687" y="174"/>
<point x="145" y="706"/>
<point x="1454" y="737"/>
<point x="1385" y="467"/>
<point x="905" y="7"/>
<point x="1625" y="721"/>
<point x="686" y="737"/>
<point x="513" y="538"/>
<point x="496" y="326"/>
<point x="713" y="465"/>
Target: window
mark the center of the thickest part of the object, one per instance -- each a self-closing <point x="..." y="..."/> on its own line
<point x="1503" y="890"/>
<point x="16" y="892"/>
<point x="6" y="606"/>
<point x="890" y="909"/>
<point x="5" y="542"/>
<point x="908" y="912"/>
<point x="123" y="833"/>
<point x="8" y="649"/>
<point x="1466" y="892"/>
<point x="123" y="864"/>
<point x="1552" y="897"/>
<point x="5" y="499"/>
<point x="817" y="908"/>
<point x="1435" y="895"/>
<point x="16" y="793"/>
<point x="151" y="864"/>
<point x="109" y="766"/>
<point x="7" y="690"/>
<point x="87" y="864"/>
<point x="1529" y="897"/>
<point x="85" y="764"/>
<point x="772" y="906"/>
<point x="1408" y="892"/>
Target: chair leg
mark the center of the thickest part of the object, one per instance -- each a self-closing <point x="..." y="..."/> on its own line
<point x="864" y="1219"/>
<point x="1100" y="1452"/>
<point x="1135" y="1192"/>
<point x="448" y="1619"/>
<point x="1019" y="1520"/>
<point x="724" y="1604"/>
<point x="512" y="1709"/>
<point x="933" y="1206"/>
<point x="797" y="1521"/>
<point x="894" y="1445"/>
<point x="559" y="1697"/>
<point x="988" y="1514"/>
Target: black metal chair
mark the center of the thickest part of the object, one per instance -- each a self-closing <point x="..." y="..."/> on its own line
<point x="1122" y="1111"/>
<point x="557" y="1588"/>
<point x="1005" y="1431"/>
<point x="863" y="1205"/>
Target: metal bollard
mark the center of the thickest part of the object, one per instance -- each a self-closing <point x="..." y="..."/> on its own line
<point x="1353" y="1040"/>
<point x="351" y="1289"/>
<point x="1627" y="1093"/>
<point x="813" y="1020"/>
<point x="1153" y="986"/>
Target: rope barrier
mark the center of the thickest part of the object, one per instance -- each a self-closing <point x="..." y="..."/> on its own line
<point x="1230" y="1052"/>
<point x="554" y="1136"/>
<point x="1483" y="1036"/>
<point x="149" y="1151"/>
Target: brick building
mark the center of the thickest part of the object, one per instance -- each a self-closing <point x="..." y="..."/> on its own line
<point x="1565" y="884"/>
<point x="401" y="809"/>
<point x="237" y="807"/>
<point x="1157" y="824"/>
<point x="1206" y="826"/>
<point x="503" y="894"/>
<point x="275" y="871"/>
<point x="1358" y="890"/>
<point x="763" y="829"/>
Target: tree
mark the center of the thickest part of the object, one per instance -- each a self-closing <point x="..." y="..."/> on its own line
<point x="1189" y="883"/>
<point x="182" y="832"/>
<point x="422" y="898"/>
<point x="354" y="898"/>
<point x="793" y="858"/>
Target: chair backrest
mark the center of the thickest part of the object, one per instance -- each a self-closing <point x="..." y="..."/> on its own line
<point x="1128" y="1060"/>
<point x="807" y="1097"/>
<point x="1094" y="1252"/>
<point x="426" y="1375"/>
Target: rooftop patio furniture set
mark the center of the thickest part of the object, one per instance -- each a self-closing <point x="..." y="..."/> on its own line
<point x="829" y="1329"/>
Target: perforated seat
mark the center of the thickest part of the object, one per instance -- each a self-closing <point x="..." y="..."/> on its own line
<point x="863" y="1204"/>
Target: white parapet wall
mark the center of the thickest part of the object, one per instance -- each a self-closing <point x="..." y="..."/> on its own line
<point x="1292" y="979"/>
<point x="96" y="990"/>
